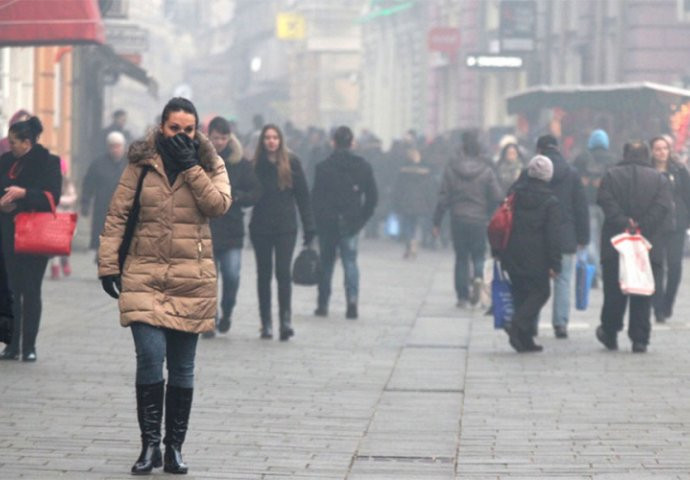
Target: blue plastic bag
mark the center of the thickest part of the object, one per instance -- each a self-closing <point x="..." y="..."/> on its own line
<point x="584" y="276"/>
<point x="393" y="225"/>
<point x="501" y="298"/>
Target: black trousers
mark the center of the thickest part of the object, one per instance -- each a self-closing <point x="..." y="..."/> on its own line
<point x="530" y="294"/>
<point x="615" y="303"/>
<point x="265" y="246"/>
<point x="469" y="243"/>
<point x="25" y="276"/>
<point x="665" y="292"/>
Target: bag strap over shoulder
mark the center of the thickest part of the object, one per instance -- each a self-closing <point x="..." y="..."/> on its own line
<point x="132" y="220"/>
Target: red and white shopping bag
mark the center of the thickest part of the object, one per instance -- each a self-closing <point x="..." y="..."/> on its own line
<point x="634" y="267"/>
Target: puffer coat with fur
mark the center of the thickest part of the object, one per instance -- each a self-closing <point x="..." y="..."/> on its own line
<point x="169" y="278"/>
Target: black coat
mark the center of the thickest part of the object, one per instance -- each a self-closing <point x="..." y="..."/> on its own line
<point x="534" y="245"/>
<point x="276" y="210"/>
<point x="38" y="171"/>
<point x="680" y="182"/>
<point x="344" y="193"/>
<point x="228" y="230"/>
<point x="415" y="190"/>
<point x="638" y="192"/>
<point x="98" y="187"/>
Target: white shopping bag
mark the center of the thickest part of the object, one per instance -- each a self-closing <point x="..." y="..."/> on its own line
<point x="634" y="268"/>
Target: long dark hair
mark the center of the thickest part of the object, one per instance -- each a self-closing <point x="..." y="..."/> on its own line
<point x="29" y="129"/>
<point x="282" y="155"/>
<point x="179" y="104"/>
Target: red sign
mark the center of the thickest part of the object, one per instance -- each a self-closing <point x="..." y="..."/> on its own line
<point x="444" y="39"/>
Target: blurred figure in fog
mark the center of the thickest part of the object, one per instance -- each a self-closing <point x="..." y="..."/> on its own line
<point x="470" y="190"/>
<point x="100" y="182"/>
<point x="273" y="226"/>
<point x="117" y="125"/>
<point x="227" y="231"/>
<point x="533" y="254"/>
<point x="674" y="243"/>
<point x="510" y="165"/>
<point x="592" y="165"/>
<point x="68" y="203"/>
<point x="19" y="116"/>
<point x="253" y="137"/>
<point x="414" y="198"/>
<point x="369" y="147"/>
<point x="633" y="195"/>
<point x="29" y="173"/>
<point x="344" y="198"/>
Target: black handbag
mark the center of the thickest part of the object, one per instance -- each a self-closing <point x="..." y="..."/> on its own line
<point x="307" y="268"/>
<point x="131" y="221"/>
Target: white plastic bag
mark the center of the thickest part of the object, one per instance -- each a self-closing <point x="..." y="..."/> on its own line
<point x="634" y="267"/>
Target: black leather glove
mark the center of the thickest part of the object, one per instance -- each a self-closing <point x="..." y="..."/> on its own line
<point x="184" y="151"/>
<point x="308" y="239"/>
<point x="112" y="285"/>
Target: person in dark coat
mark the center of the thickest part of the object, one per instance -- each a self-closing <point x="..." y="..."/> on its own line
<point x="273" y="226"/>
<point x="414" y="198"/>
<point x="227" y="231"/>
<point x="568" y="189"/>
<point x="633" y="195"/>
<point x="6" y="322"/>
<point x="100" y="182"/>
<point x="533" y="254"/>
<point x="344" y="198"/>
<point x="117" y="125"/>
<point x="674" y="244"/>
<point x="470" y="190"/>
<point x="28" y="174"/>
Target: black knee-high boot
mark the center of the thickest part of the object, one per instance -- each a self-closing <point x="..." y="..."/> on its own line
<point x="149" y="414"/>
<point x="178" y="403"/>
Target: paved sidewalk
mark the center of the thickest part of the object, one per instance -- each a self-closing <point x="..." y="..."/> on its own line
<point x="414" y="389"/>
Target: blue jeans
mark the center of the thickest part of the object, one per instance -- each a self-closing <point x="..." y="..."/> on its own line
<point x="596" y="221"/>
<point x="329" y="245"/>
<point x="228" y="265"/>
<point x="154" y="344"/>
<point x="408" y="227"/>
<point x="561" y="291"/>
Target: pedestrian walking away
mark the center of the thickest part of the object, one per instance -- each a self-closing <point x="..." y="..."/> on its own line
<point x="227" y="231"/>
<point x="167" y="286"/>
<point x="273" y="226"/>
<point x="471" y="191"/>
<point x="100" y="182"/>
<point x="345" y="197"/>
<point x="634" y="196"/>
<point x="669" y="274"/>
<point x="568" y="189"/>
<point x="28" y="174"/>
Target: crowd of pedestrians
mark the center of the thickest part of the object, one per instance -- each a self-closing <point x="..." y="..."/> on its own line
<point x="168" y="221"/>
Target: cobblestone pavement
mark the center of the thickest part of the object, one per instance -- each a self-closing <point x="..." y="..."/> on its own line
<point x="414" y="389"/>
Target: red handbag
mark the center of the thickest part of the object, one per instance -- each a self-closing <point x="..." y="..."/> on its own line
<point x="44" y="233"/>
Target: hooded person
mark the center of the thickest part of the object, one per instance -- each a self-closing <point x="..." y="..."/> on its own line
<point x="471" y="191"/>
<point x="533" y="253"/>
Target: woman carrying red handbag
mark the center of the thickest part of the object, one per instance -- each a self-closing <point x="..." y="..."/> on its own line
<point x="27" y="172"/>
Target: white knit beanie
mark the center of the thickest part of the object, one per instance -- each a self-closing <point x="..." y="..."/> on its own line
<point x="540" y="167"/>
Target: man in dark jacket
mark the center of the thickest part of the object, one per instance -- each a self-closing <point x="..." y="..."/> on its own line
<point x="633" y="195"/>
<point x="568" y="189"/>
<point x="344" y="198"/>
<point x="471" y="190"/>
<point x="533" y="254"/>
<point x="100" y="182"/>
<point x="227" y="231"/>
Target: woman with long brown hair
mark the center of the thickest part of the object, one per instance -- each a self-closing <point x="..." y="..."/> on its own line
<point x="273" y="227"/>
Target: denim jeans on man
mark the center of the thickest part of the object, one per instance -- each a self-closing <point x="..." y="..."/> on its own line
<point x="469" y="242"/>
<point x="330" y="244"/>
<point x="228" y="265"/>
<point x="596" y="220"/>
<point x="561" y="291"/>
<point x="155" y="344"/>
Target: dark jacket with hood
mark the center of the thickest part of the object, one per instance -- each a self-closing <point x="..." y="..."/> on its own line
<point x="635" y="191"/>
<point x="534" y="246"/>
<point x="99" y="184"/>
<point x="568" y="189"/>
<point x="344" y="193"/>
<point x="276" y="211"/>
<point x="470" y="189"/>
<point x="592" y="165"/>
<point x="415" y="190"/>
<point x="227" y="231"/>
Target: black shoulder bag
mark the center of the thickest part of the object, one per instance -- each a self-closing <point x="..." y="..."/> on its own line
<point x="131" y="221"/>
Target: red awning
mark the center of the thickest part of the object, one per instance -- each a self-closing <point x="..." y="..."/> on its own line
<point x="50" y="22"/>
